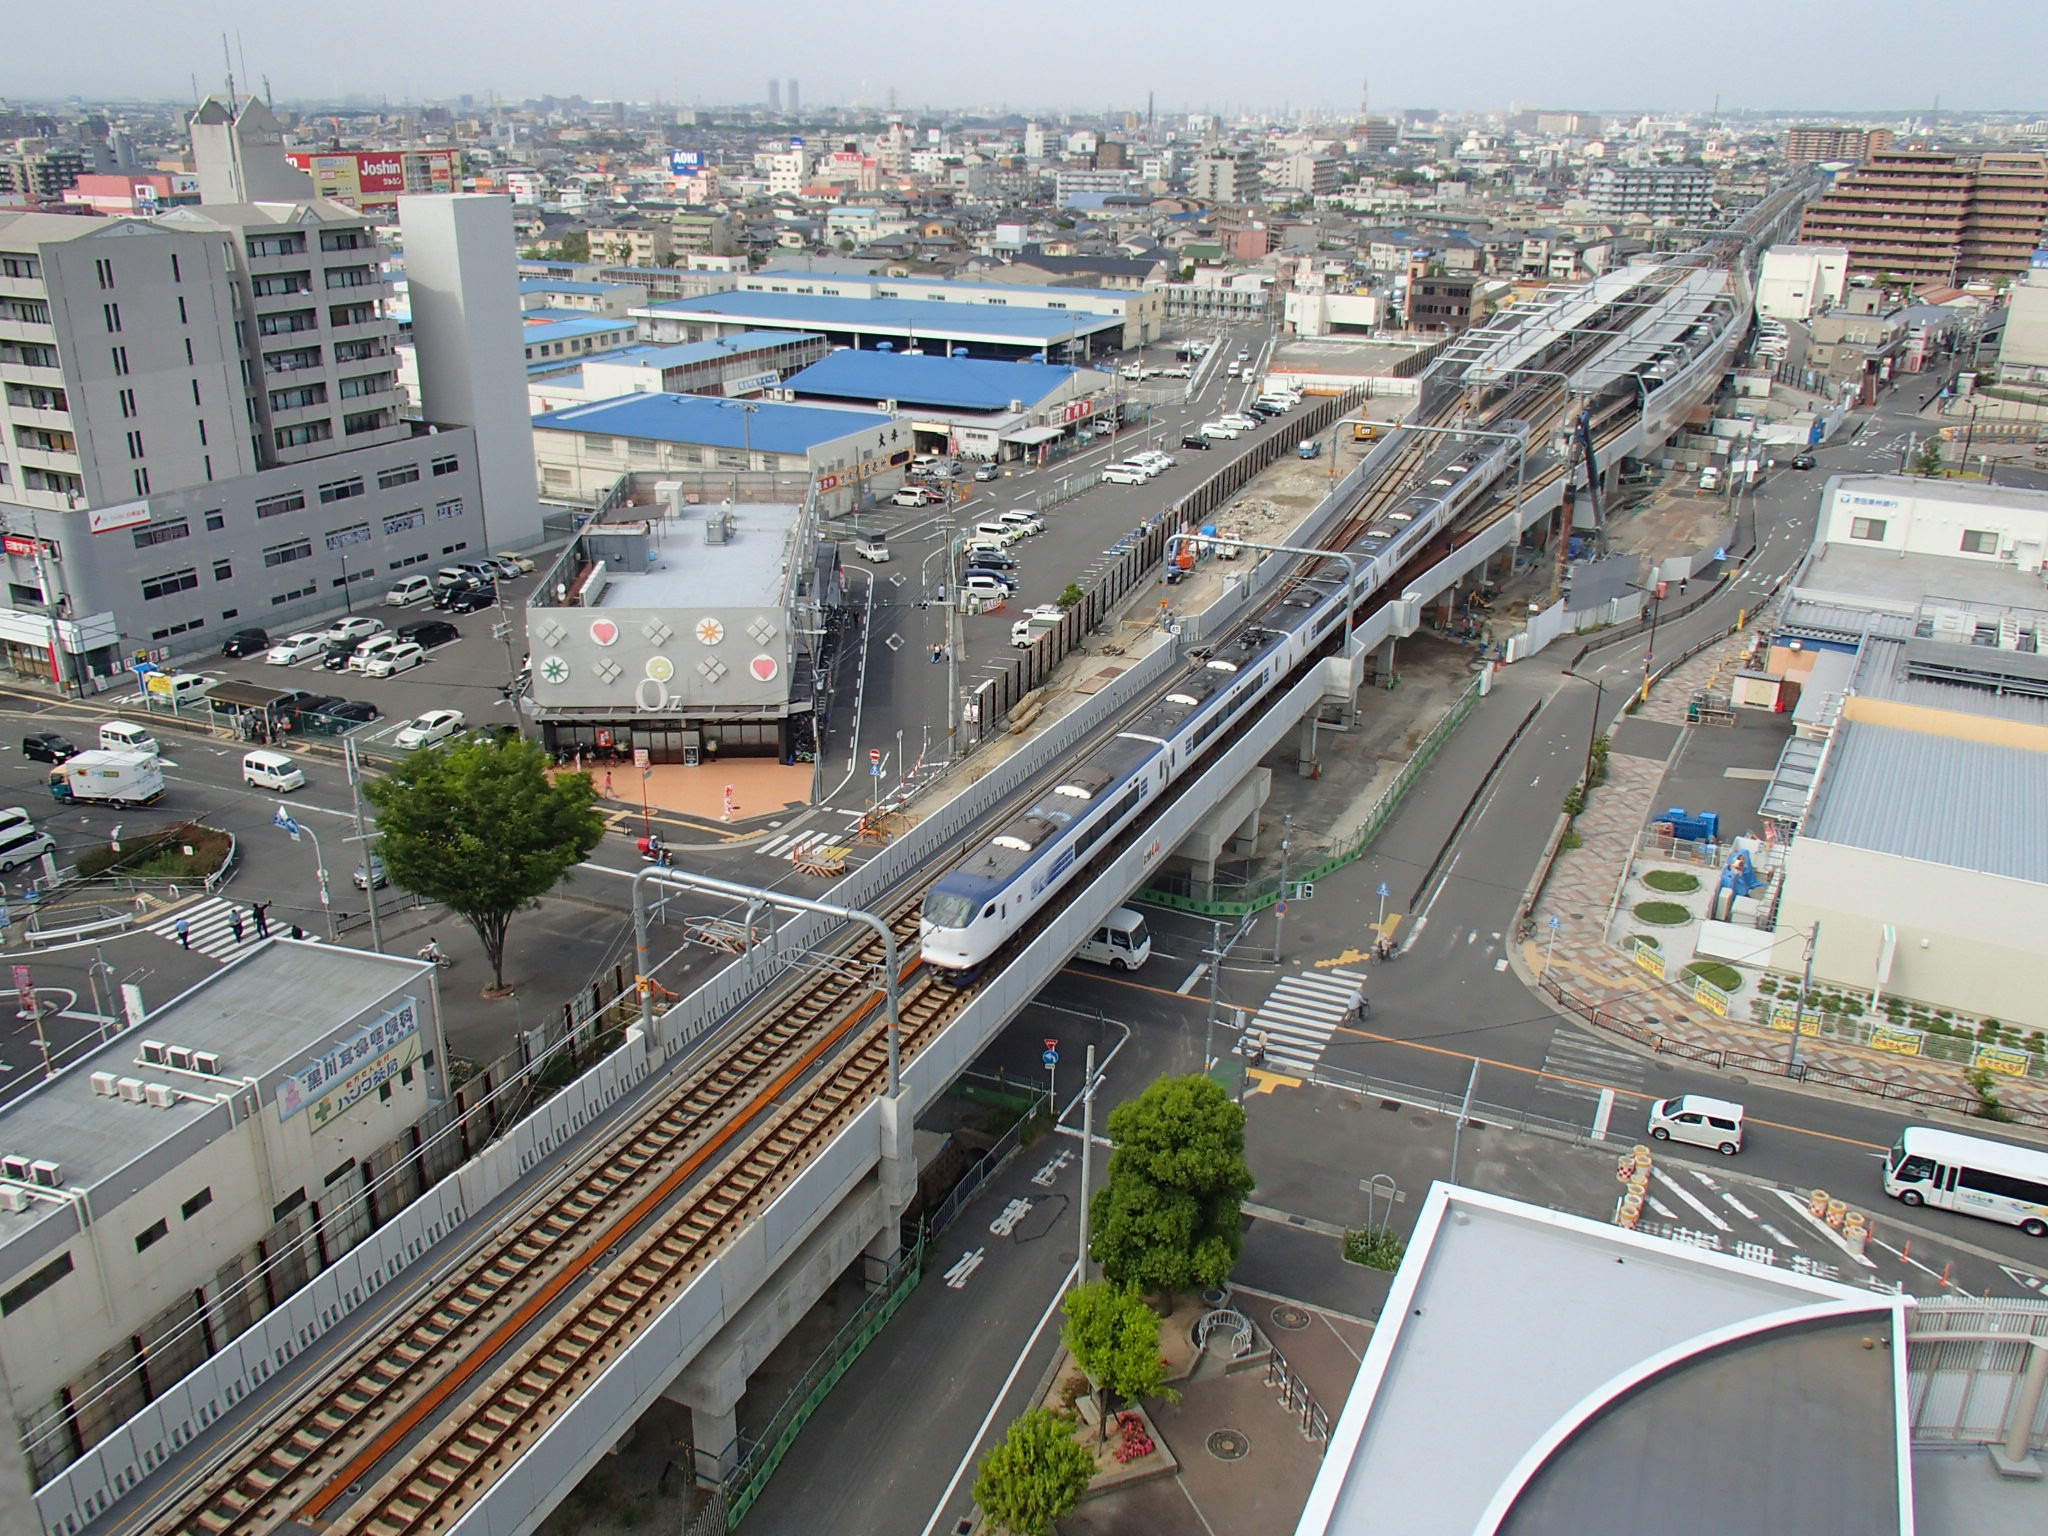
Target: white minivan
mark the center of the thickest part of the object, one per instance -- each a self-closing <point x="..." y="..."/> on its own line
<point x="122" y="736"/>
<point x="273" y="771"/>
<point x="1122" y="942"/>
<point x="1695" y="1118"/>
<point x="408" y="590"/>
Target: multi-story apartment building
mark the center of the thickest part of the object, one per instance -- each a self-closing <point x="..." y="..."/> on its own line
<point x="1224" y="176"/>
<point x="1853" y="145"/>
<point x="634" y="242"/>
<point x="1311" y="174"/>
<point x="1925" y="217"/>
<point x="1683" y="193"/>
<point x="41" y="168"/>
<point x="202" y="427"/>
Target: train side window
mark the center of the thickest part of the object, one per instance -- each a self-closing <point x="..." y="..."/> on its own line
<point x="989" y="910"/>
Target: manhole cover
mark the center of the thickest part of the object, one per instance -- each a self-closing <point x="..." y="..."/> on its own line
<point x="1289" y="1317"/>
<point x="1228" y="1445"/>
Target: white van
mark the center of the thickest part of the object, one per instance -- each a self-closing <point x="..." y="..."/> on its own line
<point x="122" y="736"/>
<point x="999" y="533"/>
<point x="1122" y="942"/>
<point x="1695" y="1118"/>
<point x="15" y="818"/>
<point x="408" y="590"/>
<point x="272" y="770"/>
<point x="21" y="843"/>
<point x="187" y="687"/>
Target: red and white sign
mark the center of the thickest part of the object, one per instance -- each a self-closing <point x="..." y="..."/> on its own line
<point x="1076" y="410"/>
<point x="113" y="519"/>
<point x="16" y="544"/>
<point x="25" y="992"/>
<point x="764" y="668"/>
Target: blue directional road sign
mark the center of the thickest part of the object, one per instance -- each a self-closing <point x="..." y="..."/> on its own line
<point x="283" y="818"/>
<point x="1384" y="892"/>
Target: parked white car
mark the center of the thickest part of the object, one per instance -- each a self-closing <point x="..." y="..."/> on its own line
<point x="1241" y="423"/>
<point x="1216" y="429"/>
<point x="356" y="628"/>
<point x="402" y="657"/>
<point x="1125" y="474"/>
<point x="1160" y="462"/>
<point x="303" y="646"/>
<point x="1026" y="519"/>
<point x="435" y="725"/>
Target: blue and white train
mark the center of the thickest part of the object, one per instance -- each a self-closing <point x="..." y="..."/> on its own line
<point x="975" y="908"/>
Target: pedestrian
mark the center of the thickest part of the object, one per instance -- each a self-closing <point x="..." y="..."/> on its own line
<point x="184" y="933"/>
<point x="607" y="783"/>
<point x="261" y="912"/>
<point x="1683" y="583"/>
<point x="298" y="932"/>
<point x="235" y="924"/>
<point x="935" y="655"/>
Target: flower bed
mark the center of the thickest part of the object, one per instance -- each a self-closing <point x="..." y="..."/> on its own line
<point x="1662" y="914"/>
<point x="1132" y="1439"/>
<point x="1674" y="880"/>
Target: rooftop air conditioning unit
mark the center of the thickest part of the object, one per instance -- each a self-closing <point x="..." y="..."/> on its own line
<point x="180" y="1056"/>
<point x="48" y="1174"/>
<point x="160" y="1095"/>
<point x="13" y="1199"/>
<point x="153" y="1052"/>
<point x="103" y="1084"/>
<point x="15" y="1168"/>
<point x="207" y="1062"/>
<point x="131" y="1089"/>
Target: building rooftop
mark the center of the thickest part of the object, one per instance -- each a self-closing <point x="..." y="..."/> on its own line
<point x="752" y="569"/>
<point x="685" y="354"/>
<point x="262" y="1016"/>
<point x="1990" y="813"/>
<point x="1861" y="577"/>
<point x="1010" y="325"/>
<point x="566" y="329"/>
<point x="766" y="427"/>
<point x="564" y="285"/>
<point x="952" y="383"/>
<point x="1536" y="1373"/>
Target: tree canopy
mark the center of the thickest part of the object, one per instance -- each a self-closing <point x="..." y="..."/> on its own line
<point x="1035" y="1476"/>
<point x="479" y="827"/>
<point x="1114" y="1338"/>
<point x="1168" y="1219"/>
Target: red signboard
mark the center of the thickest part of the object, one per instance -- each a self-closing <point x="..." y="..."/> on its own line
<point x="380" y="173"/>
<point x="1074" y="410"/>
<point x="15" y="544"/>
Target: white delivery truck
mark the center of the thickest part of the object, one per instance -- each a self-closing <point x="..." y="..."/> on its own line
<point x="1025" y="632"/>
<point x="108" y="778"/>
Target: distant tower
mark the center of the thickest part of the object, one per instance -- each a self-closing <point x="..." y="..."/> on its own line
<point x="1364" y="100"/>
<point x="793" y="108"/>
<point x="1151" y="115"/>
<point x="774" y="95"/>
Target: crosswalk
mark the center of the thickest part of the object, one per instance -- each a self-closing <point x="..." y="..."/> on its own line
<point x="212" y="927"/>
<point x="1300" y="1014"/>
<point x="1574" y="1062"/>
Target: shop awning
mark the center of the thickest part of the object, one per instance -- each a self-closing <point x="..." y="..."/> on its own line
<point x="1031" y="437"/>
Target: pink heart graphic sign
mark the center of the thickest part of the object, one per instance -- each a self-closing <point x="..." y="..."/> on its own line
<point x="604" y="631"/>
<point x="764" y="668"/>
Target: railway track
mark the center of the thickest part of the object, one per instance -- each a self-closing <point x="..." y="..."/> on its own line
<point x="432" y="1348"/>
<point x="408" y="1431"/>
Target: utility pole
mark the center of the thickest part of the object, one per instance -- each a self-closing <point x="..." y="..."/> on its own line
<point x="1087" y="1154"/>
<point x="1215" y="969"/>
<point x="955" y="637"/>
<point x="354" y="767"/>
<point x="1593" y="730"/>
<point x="1799" y="1011"/>
<point x="1280" y="911"/>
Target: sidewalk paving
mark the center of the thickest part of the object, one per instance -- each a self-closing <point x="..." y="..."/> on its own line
<point x="1581" y="889"/>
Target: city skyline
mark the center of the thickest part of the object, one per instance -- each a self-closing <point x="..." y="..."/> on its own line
<point x="1833" y="56"/>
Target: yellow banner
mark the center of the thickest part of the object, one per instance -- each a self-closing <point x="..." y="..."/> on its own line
<point x="1999" y="1058"/>
<point x="1784" y="1014"/>
<point x="1900" y="1042"/>
<point x="1650" y="960"/>
<point x="1707" y="995"/>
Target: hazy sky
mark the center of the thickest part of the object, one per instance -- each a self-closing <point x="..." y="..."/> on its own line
<point x="1839" y="55"/>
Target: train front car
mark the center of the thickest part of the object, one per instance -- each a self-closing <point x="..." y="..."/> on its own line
<point x="953" y="934"/>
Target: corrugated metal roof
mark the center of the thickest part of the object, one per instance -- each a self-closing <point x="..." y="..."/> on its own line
<point x="703" y="419"/>
<point x="931" y="318"/>
<point x="955" y="383"/>
<point x="1961" y="803"/>
<point x="683" y="354"/>
<point x="1881" y="674"/>
<point x="565" y="330"/>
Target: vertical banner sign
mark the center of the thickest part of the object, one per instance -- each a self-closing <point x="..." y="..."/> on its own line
<point x="25" y="992"/>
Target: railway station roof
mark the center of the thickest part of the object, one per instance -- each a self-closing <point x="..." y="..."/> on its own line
<point x="1539" y="1374"/>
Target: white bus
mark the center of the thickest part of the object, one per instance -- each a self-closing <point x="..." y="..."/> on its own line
<point x="1966" y="1173"/>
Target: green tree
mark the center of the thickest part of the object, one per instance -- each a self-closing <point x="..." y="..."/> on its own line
<point x="1114" y="1338"/>
<point x="574" y="246"/>
<point x="1168" y="1219"/>
<point x="478" y="827"/>
<point x="1928" y="461"/>
<point x="1035" y="1476"/>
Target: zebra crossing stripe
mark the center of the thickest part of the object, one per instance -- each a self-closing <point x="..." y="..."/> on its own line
<point x="210" y="924"/>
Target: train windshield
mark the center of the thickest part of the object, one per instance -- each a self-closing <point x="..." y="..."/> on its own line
<point x="943" y="909"/>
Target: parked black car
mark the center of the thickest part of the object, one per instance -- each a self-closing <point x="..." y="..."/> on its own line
<point x="338" y="653"/>
<point x="1197" y="442"/>
<point x="429" y="632"/>
<point x="355" y="709"/>
<point x="318" y="704"/>
<point x="286" y="705"/>
<point x="246" y="642"/>
<point x="47" y="747"/>
<point x="1803" y="461"/>
<point x="467" y="599"/>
